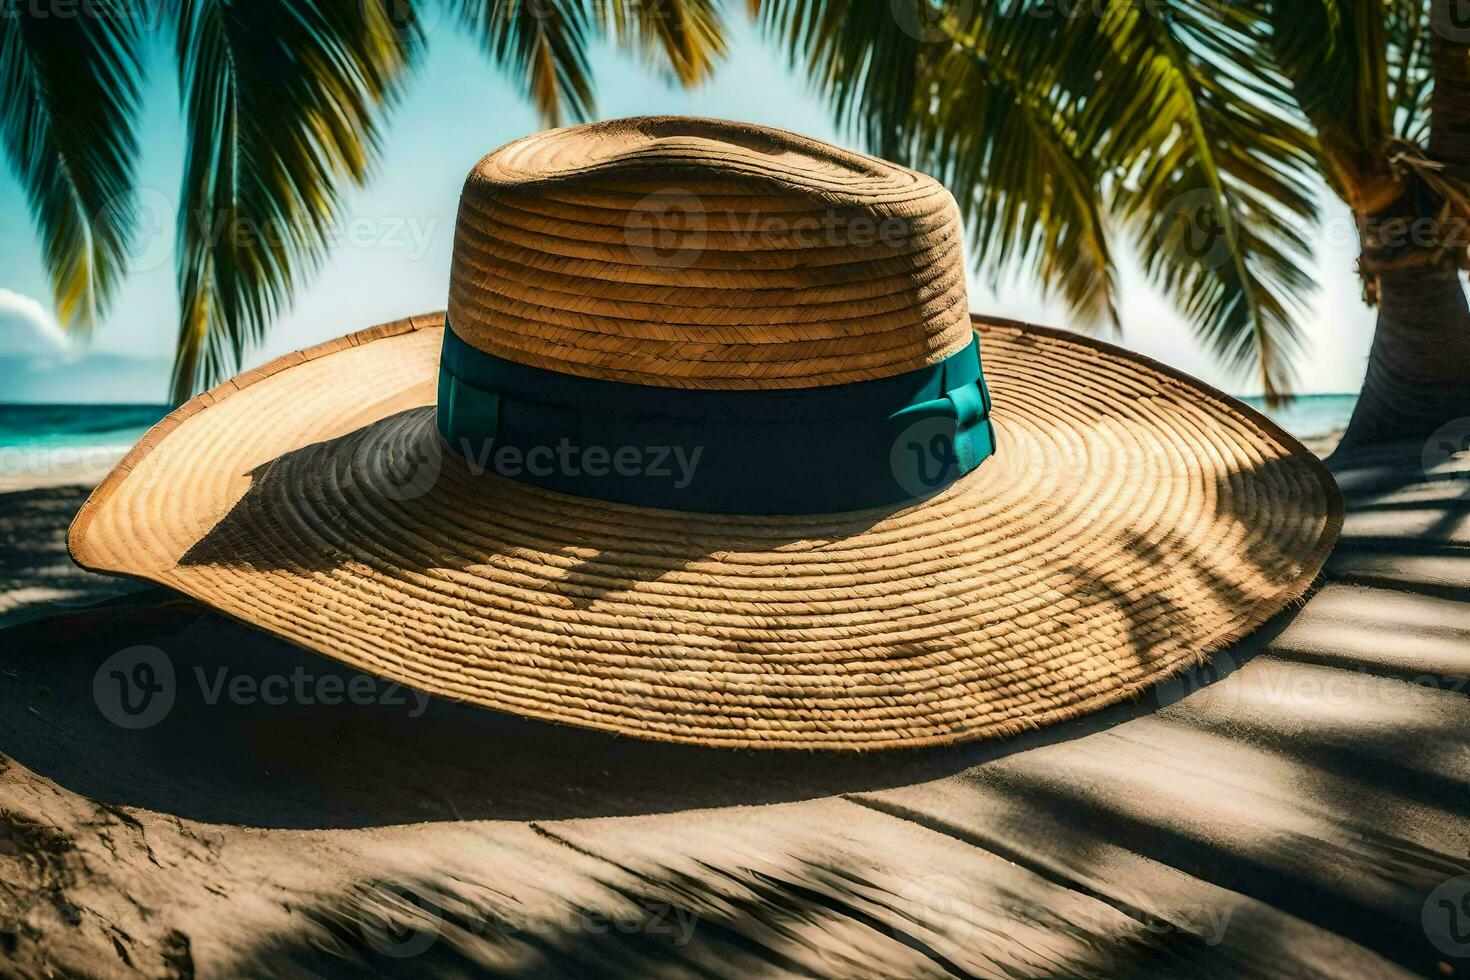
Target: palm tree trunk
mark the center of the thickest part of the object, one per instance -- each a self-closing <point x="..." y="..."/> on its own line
<point x="1419" y="366"/>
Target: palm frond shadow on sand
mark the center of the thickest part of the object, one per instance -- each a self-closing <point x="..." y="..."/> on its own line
<point x="1314" y="828"/>
<point x="798" y="916"/>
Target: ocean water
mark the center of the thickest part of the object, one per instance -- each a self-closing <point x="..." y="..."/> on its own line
<point x="47" y="439"/>
<point x="1310" y="416"/>
<point x="42" y="440"/>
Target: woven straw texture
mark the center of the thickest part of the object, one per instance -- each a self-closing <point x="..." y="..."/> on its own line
<point x="1132" y="522"/>
<point x="699" y="253"/>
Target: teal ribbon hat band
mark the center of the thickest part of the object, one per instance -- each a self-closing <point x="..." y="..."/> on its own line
<point x="771" y="451"/>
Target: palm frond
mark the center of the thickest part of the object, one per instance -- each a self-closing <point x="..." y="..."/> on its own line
<point x="1411" y="76"/>
<point x="857" y="57"/>
<point x="282" y="103"/>
<point x="1023" y="175"/>
<point x="1057" y="132"/>
<point x="68" y="125"/>
<point x="933" y="93"/>
<point x="543" y="43"/>
<point x="1335" y="55"/>
<point x="685" y="36"/>
<point x="1216" y="176"/>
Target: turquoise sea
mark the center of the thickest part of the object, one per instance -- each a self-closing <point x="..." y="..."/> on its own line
<point x="1310" y="416"/>
<point x="40" y="439"/>
<point x="45" y="439"/>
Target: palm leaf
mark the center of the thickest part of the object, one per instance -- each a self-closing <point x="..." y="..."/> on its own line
<point x="1027" y="185"/>
<point x="685" y="36"/>
<point x="282" y="101"/>
<point x="937" y="95"/>
<point x="1058" y="132"/>
<point x="543" y="43"/>
<point x="1335" y="55"/>
<point x="1216" y="170"/>
<point x="858" y="59"/>
<point x="67" y="122"/>
<point x="1411" y="77"/>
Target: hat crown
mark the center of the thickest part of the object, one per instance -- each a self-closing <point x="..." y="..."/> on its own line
<point x="697" y="253"/>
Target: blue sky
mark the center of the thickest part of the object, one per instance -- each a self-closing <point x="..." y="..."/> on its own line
<point x="396" y="232"/>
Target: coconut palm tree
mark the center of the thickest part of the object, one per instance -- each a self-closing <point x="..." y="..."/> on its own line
<point x="284" y="107"/>
<point x="1190" y="133"/>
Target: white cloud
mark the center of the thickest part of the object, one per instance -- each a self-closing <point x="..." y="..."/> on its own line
<point x="27" y="328"/>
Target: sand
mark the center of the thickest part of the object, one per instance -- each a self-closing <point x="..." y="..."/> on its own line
<point x="37" y="577"/>
<point x="1300" y="807"/>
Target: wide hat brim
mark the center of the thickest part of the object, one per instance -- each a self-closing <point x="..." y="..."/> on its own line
<point x="1132" y="522"/>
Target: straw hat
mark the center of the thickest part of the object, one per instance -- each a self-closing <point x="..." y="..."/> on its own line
<point x="1102" y="521"/>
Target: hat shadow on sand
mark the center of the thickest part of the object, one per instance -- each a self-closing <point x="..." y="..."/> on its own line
<point x="397" y="756"/>
<point x="229" y="750"/>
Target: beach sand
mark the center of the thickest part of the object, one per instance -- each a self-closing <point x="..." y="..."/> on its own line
<point x="1323" y="445"/>
<point x="1294" y="808"/>
<point x="37" y="576"/>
